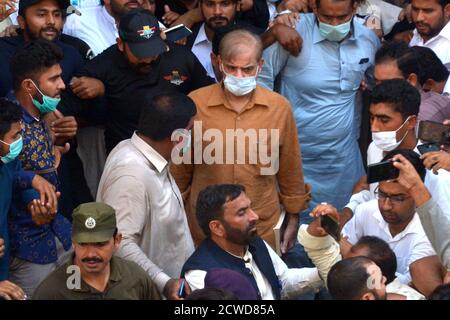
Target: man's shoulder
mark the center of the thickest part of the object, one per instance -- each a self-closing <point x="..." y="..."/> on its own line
<point x="365" y="34"/>
<point x="54" y="283"/>
<point x="202" y="95"/>
<point x="273" y="99"/>
<point x="367" y="211"/>
<point x="129" y="269"/>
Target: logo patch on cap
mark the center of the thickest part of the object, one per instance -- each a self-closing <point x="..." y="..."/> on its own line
<point x="146" y="32"/>
<point x="90" y="223"/>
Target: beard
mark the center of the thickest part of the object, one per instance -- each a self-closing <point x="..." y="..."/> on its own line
<point x="215" y="23"/>
<point x="119" y="10"/>
<point x="240" y="237"/>
<point x="43" y="33"/>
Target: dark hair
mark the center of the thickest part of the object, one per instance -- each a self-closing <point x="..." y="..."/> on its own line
<point x="441" y="292"/>
<point x="352" y="2"/>
<point x="347" y="279"/>
<point x="9" y="114"/>
<point x="412" y="157"/>
<point x="33" y="59"/>
<point x="210" y="203"/>
<point x="379" y="252"/>
<point x="443" y="3"/>
<point x="162" y="114"/>
<point x="431" y="67"/>
<point x="402" y="96"/>
<point x="211" y="294"/>
<point x="398" y="51"/>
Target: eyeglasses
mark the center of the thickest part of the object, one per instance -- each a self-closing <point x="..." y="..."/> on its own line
<point x="380" y="195"/>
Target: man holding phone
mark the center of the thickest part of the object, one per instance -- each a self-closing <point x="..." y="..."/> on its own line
<point x="392" y="217"/>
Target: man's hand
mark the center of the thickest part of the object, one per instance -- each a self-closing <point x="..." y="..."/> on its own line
<point x="87" y="87"/>
<point x="361" y="185"/>
<point x="172" y="288"/>
<point x="4" y="11"/>
<point x="64" y="128"/>
<point x="169" y="16"/>
<point x="10" y="31"/>
<point x="47" y="194"/>
<point x="322" y="209"/>
<point x="436" y="160"/>
<point x="190" y="18"/>
<point x="290" y="233"/>
<point x="59" y="152"/>
<point x="288" y="19"/>
<point x="405" y="14"/>
<point x="2" y="247"/>
<point x="41" y="214"/>
<point x="345" y="215"/>
<point x="409" y="178"/>
<point x="294" y="6"/>
<point x="345" y="247"/>
<point x="245" y="5"/>
<point x="10" y="291"/>
<point x="288" y="38"/>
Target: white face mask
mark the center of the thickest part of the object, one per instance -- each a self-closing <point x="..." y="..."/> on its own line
<point x="387" y="140"/>
<point x="239" y="86"/>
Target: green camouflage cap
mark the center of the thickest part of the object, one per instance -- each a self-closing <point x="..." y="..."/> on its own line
<point x="93" y="222"/>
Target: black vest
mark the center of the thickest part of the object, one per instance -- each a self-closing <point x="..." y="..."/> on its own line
<point x="209" y="255"/>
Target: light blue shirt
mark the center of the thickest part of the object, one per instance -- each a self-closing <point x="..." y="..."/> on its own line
<point x="321" y="84"/>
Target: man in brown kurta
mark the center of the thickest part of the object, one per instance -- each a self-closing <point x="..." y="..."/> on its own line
<point x="224" y="107"/>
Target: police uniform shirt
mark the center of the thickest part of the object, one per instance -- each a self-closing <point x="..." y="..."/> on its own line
<point x="127" y="281"/>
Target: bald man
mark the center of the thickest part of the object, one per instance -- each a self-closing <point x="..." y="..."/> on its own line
<point x="245" y="134"/>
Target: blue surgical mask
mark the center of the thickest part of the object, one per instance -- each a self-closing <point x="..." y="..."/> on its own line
<point x="239" y="86"/>
<point x="335" y="33"/>
<point x="14" y="150"/>
<point x="48" y="104"/>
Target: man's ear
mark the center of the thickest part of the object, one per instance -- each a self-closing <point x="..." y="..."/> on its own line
<point x="413" y="80"/>
<point x="120" y="45"/>
<point x="368" y="296"/>
<point x="216" y="228"/>
<point x="428" y="85"/>
<point x="117" y="240"/>
<point x="412" y="122"/>
<point x="21" y="21"/>
<point x="447" y="11"/>
<point x="28" y="86"/>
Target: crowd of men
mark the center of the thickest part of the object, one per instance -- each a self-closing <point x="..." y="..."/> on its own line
<point x="231" y="163"/>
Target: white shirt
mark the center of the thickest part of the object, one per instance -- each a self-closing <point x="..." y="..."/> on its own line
<point x="95" y="26"/>
<point x="409" y="245"/>
<point x="440" y="44"/>
<point x="399" y="288"/>
<point x="202" y="49"/>
<point x="136" y="182"/>
<point x="438" y="185"/>
<point x="294" y="281"/>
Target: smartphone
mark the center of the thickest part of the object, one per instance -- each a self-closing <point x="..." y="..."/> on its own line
<point x="177" y="33"/>
<point x="331" y="226"/>
<point x="381" y="171"/>
<point x="435" y="132"/>
<point x="428" y="147"/>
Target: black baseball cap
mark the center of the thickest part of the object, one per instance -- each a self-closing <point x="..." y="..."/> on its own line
<point x="140" y="30"/>
<point x="23" y="4"/>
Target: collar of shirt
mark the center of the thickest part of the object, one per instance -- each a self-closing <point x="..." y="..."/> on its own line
<point x="109" y="19"/>
<point x="418" y="40"/>
<point x="201" y="36"/>
<point x="412" y="226"/>
<point x="114" y="277"/>
<point x="354" y="32"/>
<point x="218" y="98"/>
<point x="151" y="154"/>
<point x="26" y="116"/>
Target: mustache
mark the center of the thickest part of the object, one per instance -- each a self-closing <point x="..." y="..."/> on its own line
<point x="132" y="2"/>
<point x="49" y="29"/>
<point x="220" y="18"/>
<point x="93" y="259"/>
